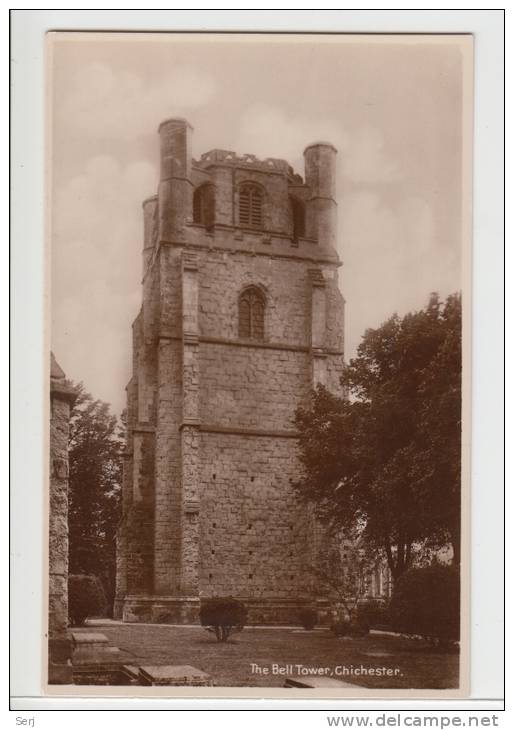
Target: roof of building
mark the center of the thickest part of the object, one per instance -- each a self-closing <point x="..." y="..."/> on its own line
<point x="55" y="369"/>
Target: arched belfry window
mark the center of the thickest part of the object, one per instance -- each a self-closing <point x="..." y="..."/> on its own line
<point x="200" y="205"/>
<point x="250" y="205"/>
<point x="251" y="314"/>
<point x="298" y="216"/>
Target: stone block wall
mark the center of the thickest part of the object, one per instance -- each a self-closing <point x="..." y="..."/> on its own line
<point x="168" y="471"/>
<point x="284" y="282"/>
<point x="209" y="507"/>
<point x="251" y="387"/>
<point x="62" y="397"/>
<point x="59" y="430"/>
<point x="255" y="536"/>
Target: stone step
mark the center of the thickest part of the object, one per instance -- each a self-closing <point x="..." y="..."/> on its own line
<point x="174" y="676"/>
<point x="108" y="655"/>
<point x="88" y="639"/>
<point x="132" y="671"/>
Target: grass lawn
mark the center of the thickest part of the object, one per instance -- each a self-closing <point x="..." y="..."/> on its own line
<point x="413" y="664"/>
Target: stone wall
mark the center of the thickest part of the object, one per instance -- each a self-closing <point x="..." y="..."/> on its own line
<point x="62" y="396"/>
<point x="255" y="535"/>
<point x="284" y="284"/>
<point x="228" y="171"/>
<point x="251" y="387"/>
<point x="209" y="507"/>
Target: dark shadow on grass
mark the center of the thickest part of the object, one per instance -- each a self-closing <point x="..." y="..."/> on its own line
<point x="213" y="642"/>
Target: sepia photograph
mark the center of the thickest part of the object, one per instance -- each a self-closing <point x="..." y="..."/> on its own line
<point x="258" y="276"/>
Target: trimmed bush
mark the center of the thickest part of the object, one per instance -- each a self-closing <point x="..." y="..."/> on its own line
<point x="358" y="628"/>
<point x="341" y="628"/>
<point x="373" y="614"/>
<point x="223" y="616"/>
<point x="86" y="597"/>
<point x="426" y="602"/>
<point x="308" y="618"/>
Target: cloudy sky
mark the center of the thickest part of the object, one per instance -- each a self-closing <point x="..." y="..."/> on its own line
<point x="393" y="108"/>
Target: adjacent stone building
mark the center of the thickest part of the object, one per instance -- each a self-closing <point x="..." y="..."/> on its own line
<point x="62" y="397"/>
<point x="241" y="317"/>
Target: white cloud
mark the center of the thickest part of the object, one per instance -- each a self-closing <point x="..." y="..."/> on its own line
<point x="365" y="159"/>
<point x="99" y="103"/>
<point x="392" y="260"/>
<point x="268" y="131"/>
<point x="96" y="272"/>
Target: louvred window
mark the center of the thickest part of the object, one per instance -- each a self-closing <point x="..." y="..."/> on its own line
<point x="250" y="206"/>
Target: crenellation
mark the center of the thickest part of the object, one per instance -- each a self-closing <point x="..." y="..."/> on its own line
<point x="230" y="158"/>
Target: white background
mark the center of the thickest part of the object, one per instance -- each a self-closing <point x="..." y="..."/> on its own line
<point x="29" y="363"/>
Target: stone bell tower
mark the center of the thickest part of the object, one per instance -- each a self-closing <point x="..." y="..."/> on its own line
<point x="241" y="317"/>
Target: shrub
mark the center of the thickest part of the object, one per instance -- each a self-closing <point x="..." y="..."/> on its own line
<point x="358" y="628"/>
<point x="349" y="628"/>
<point x="341" y="628"/>
<point x="223" y="616"/>
<point x="86" y="597"/>
<point x="426" y="601"/>
<point x="308" y="618"/>
<point x="374" y="614"/>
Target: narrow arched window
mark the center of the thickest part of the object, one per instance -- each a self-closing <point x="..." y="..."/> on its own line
<point x="251" y="314"/>
<point x="250" y="205"/>
<point x="298" y="216"/>
<point x="200" y="205"/>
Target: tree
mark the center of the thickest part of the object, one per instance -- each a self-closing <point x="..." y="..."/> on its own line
<point x="385" y="460"/>
<point x="86" y="597"/>
<point x="95" y="449"/>
<point x="440" y="428"/>
<point x="346" y="578"/>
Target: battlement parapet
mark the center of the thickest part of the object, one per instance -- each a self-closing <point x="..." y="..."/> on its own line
<point x="228" y="157"/>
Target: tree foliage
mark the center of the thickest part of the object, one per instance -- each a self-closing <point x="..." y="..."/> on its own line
<point x="95" y="449"/>
<point x="86" y="597"/>
<point x="386" y="459"/>
<point x="426" y="602"/>
<point x="346" y="579"/>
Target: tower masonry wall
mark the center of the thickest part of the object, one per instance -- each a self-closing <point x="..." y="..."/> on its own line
<point x="212" y="452"/>
<point x="255" y="534"/>
<point x="253" y="388"/>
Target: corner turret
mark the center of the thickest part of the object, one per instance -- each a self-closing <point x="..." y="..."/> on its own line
<point x="320" y="176"/>
<point x="175" y="186"/>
